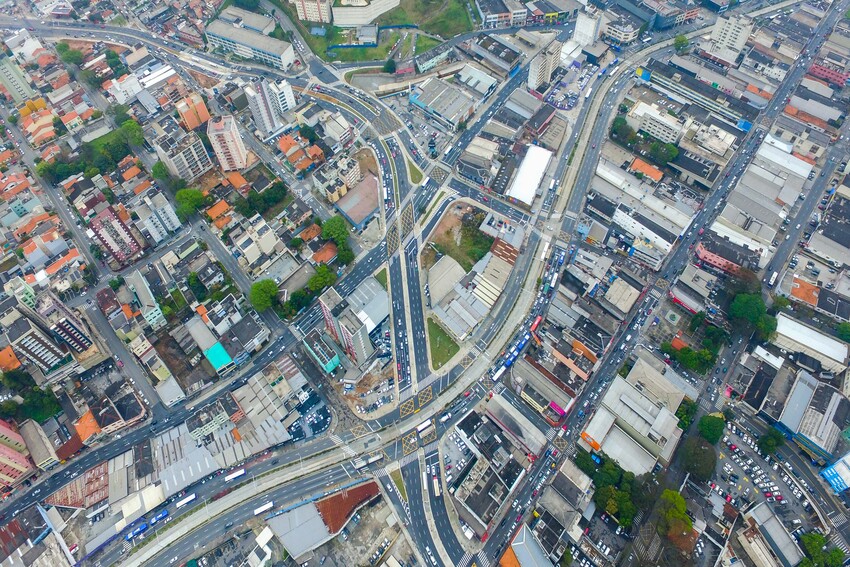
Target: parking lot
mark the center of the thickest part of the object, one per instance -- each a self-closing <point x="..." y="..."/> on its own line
<point x="422" y="126"/>
<point x="745" y="476"/>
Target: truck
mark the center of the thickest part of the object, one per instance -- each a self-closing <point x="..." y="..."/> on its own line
<point x="446" y="416"/>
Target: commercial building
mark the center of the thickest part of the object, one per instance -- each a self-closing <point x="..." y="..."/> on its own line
<point x="543" y="65"/>
<point x="354" y="13"/>
<point x="814" y="416"/>
<point x="60" y="320"/>
<point x="443" y="101"/>
<point x="15" y="80"/>
<point x="731" y="32"/>
<point x="765" y="539"/>
<point x="318" y="11"/>
<point x="621" y="26"/>
<point x="529" y="176"/>
<point x="15" y="467"/>
<point x="636" y="423"/>
<point x="797" y="337"/>
<point x="34" y="345"/>
<point x="124" y="89"/>
<point x="350" y="320"/>
<point x="654" y="121"/>
<point x="588" y="24"/>
<point x="250" y="44"/>
<point x="227" y="144"/>
<point x="193" y="111"/>
<point x="40" y="447"/>
<point x="496" y="53"/>
<point x="183" y="154"/>
<point x="323" y="353"/>
<point x="248" y="20"/>
<point x="213" y="416"/>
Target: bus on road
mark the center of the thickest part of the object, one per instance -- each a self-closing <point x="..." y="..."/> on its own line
<point x="436" y="486"/>
<point x="234" y="475"/>
<point x="587" y="94"/>
<point x="264" y="508"/>
<point x="772" y="280"/>
<point x="186" y="500"/>
<point x="423" y="426"/>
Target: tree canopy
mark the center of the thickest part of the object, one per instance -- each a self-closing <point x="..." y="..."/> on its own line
<point x="662" y="153"/>
<point x="711" y="428"/>
<point x="749" y="309"/>
<point x="189" y="201"/>
<point x="263" y="295"/>
<point x="133" y="132"/>
<point x="771" y="441"/>
<point x="324" y="277"/>
<point x="814" y="545"/>
<point x="336" y="229"/>
<point x="843" y="331"/>
<point x="698" y="458"/>
<point x="680" y="42"/>
<point x="390" y="66"/>
<point x="673" y="519"/>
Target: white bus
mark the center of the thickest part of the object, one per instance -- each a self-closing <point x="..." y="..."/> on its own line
<point x="436" y="486"/>
<point x="423" y="426"/>
<point x="587" y="95"/>
<point x="448" y="149"/>
<point x="264" y="508"/>
<point x="186" y="500"/>
<point x="234" y="475"/>
<point x="426" y="181"/>
<point x="772" y="281"/>
<point x="551" y="185"/>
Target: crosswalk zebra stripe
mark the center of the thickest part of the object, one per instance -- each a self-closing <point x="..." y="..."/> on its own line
<point x="483" y="560"/>
<point x="464" y="561"/>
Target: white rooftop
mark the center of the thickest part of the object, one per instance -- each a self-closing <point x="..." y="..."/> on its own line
<point x="805" y="335"/>
<point x="530" y="174"/>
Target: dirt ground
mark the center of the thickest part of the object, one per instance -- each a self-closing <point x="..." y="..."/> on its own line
<point x="369" y="381"/>
<point x="367" y="162"/>
<point x="447" y="235"/>
<point x="204" y="80"/>
<point x="364" y="540"/>
<point x="190" y="379"/>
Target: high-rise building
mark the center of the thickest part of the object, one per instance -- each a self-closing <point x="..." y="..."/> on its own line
<point x="193" y="111"/>
<point x="40" y="448"/>
<point x="350" y="320"/>
<point x="11" y="438"/>
<point x="156" y="218"/>
<point x="313" y="10"/>
<point x="731" y="32"/>
<point x="268" y="103"/>
<point x="62" y="322"/>
<point x="183" y="154"/>
<point x="587" y="27"/>
<point x="264" y="114"/>
<point x="543" y="65"/>
<point x="15" y="467"/>
<point x="22" y="291"/>
<point x="227" y="144"/>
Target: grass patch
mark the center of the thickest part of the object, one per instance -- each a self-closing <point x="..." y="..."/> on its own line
<point x="179" y="300"/>
<point x="406" y="45"/>
<point x="425" y="43"/>
<point x="351" y="74"/>
<point x="443" y="347"/>
<point x="366" y="53"/>
<point x="118" y="21"/>
<point x="446" y="18"/>
<point x="473" y="244"/>
<point x="382" y="277"/>
<point x="113" y="137"/>
<point x="415" y="174"/>
<point x="275" y="210"/>
<point x="399" y="483"/>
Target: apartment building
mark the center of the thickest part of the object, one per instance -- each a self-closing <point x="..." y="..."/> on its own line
<point x="183" y="154"/>
<point x="543" y="65"/>
<point x="654" y="121"/>
<point x="250" y="44"/>
<point x="227" y="143"/>
<point x="193" y="111"/>
<point x="318" y="11"/>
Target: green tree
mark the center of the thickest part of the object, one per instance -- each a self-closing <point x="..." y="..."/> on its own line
<point x="116" y="283"/>
<point x="696" y="321"/>
<point x="160" y="171"/>
<point x="198" y="289"/>
<point x="749" y="309"/>
<point x="133" y="132"/>
<point x="72" y="57"/>
<point x="680" y="43"/>
<point x="119" y="112"/>
<point x="296" y="243"/>
<point x="673" y="519"/>
<point x="188" y="202"/>
<point x="686" y="412"/>
<point x="18" y="381"/>
<point x="62" y="47"/>
<point x="698" y="458"/>
<point x="250" y="5"/>
<point x="263" y="295"/>
<point x="771" y="441"/>
<point x="336" y="229"/>
<point x="91" y="78"/>
<point x="324" y="277"/>
<point x="818" y="554"/>
<point x="309" y="133"/>
<point x="344" y="255"/>
<point x="566" y="559"/>
<point x="843" y="329"/>
<point x="621" y="130"/>
<point x="663" y="153"/>
<point x="390" y="66"/>
<point x="781" y="302"/>
<point x="711" y="428"/>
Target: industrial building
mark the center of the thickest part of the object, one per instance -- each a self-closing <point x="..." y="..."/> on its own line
<point x="250" y="44"/>
<point x="797" y="337"/>
<point x="443" y="101"/>
<point x="529" y="176"/>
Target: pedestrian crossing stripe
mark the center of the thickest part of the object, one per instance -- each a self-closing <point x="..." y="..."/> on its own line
<point x="465" y="559"/>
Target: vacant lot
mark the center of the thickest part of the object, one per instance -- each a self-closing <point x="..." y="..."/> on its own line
<point x="446" y="18"/>
<point x="382" y="277"/>
<point x="458" y="236"/>
<point x="443" y="347"/>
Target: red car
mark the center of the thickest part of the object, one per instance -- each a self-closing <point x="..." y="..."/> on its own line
<point x="733" y="447"/>
<point x="467" y="393"/>
<point x="768" y="494"/>
<point x="779" y="498"/>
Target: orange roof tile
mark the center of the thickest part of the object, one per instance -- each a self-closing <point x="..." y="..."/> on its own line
<point x="131" y="173"/>
<point x="335" y="510"/>
<point x="202" y="311"/>
<point x="677" y="343"/>
<point x="87" y="426"/>
<point x="648" y="170"/>
<point x="123" y="214"/>
<point x="804" y="291"/>
<point x="286" y="143"/>
<point x="325" y="254"/>
<point x="70" y="117"/>
<point x="128" y="312"/>
<point x="235" y="178"/>
<point x="8" y="360"/>
<point x="310" y="233"/>
<point x="296" y="156"/>
<point x="509" y="559"/>
<point x="60" y="263"/>
<point x="315" y="153"/>
<point x="218" y="209"/>
<point x="141" y="187"/>
<point x="29" y="278"/>
<point x="222" y="222"/>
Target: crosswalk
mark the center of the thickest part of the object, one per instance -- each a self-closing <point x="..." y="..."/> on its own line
<point x="464" y="561"/>
<point x="349" y="452"/>
<point x="839" y="542"/>
<point x="483" y="560"/>
<point x="407" y="459"/>
<point x="838" y="520"/>
<point x="551" y="433"/>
